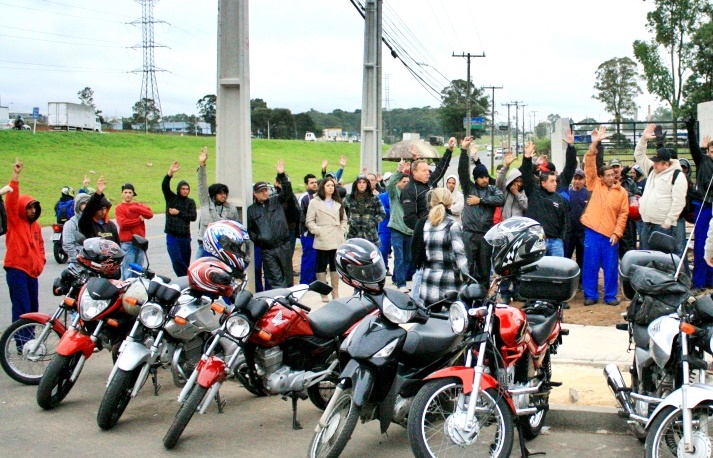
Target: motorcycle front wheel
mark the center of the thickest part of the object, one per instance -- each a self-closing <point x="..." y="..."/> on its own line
<point x="320" y="393"/>
<point x="331" y="440"/>
<point x="116" y="397"/>
<point x="665" y="437"/>
<point x="438" y="411"/>
<point x="59" y="255"/>
<point x="55" y="384"/>
<point x="15" y="346"/>
<point x="184" y="415"/>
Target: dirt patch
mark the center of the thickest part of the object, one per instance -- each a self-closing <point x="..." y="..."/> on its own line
<point x="588" y="383"/>
<point x="599" y="314"/>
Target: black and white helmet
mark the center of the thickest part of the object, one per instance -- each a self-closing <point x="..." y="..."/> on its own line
<point x="516" y="242"/>
<point x="360" y="265"/>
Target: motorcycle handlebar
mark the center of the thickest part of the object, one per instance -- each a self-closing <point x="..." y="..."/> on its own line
<point x="440" y="316"/>
<point x="303" y="307"/>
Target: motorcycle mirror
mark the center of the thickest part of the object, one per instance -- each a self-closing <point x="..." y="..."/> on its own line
<point x="662" y="242"/>
<point x="320" y="287"/>
<point x="140" y="242"/>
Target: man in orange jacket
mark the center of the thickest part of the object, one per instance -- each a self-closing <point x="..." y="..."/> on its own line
<point x="24" y="248"/>
<point x="605" y="221"/>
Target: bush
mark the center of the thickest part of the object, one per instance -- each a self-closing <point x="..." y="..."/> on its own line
<point x="543" y="146"/>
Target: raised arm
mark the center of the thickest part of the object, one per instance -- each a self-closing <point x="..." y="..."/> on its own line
<point x="570" y="161"/>
<point x="203" y="196"/>
<point x="640" y="151"/>
<point x="528" y="181"/>
<point x="464" y="166"/>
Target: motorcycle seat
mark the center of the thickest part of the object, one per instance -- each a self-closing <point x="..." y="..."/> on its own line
<point x="273" y="293"/>
<point x="334" y="318"/>
<point x="641" y="336"/>
<point x="427" y="342"/>
<point x="541" y="326"/>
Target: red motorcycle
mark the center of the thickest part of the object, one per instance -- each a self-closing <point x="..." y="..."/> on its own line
<point x="507" y="376"/>
<point x="286" y="351"/>
<point x="104" y="321"/>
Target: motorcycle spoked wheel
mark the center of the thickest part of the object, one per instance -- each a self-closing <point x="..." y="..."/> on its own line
<point x="532" y="424"/>
<point x="666" y="433"/>
<point x="184" y="415"/>
<point x="15" y="345"/>
<point x="55" y="384"/>
<point x="116" y="397"/>
<point x="59" y="255"/>
<point x="331" y="440"/>
<point x="321" y="393"/>
<point x="435" y="407"/>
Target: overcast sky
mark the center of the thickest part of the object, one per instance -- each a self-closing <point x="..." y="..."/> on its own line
<point x="308" y="54"/>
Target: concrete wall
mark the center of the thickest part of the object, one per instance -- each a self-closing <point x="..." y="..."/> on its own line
<point x="559" y="147"/>
<point x="705" y="119"/>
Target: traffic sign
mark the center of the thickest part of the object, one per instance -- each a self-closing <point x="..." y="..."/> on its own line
<point x="35" y="112"/>
<point x="502" y="127"/>
<point x="474" y="120"/>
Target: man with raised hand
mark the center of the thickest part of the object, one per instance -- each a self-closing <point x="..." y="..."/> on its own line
<point x="180" y="212"/>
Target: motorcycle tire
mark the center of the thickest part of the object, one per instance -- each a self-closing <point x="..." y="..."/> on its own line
<point x="59" y="255"/>
<point x="532" y="424"/>
<point x="636" y="427"/>
<point x="433" y="408"/>
<point x="666" y="432"/>
<point x="116" y="398"/>
<point x="252" y="383"/>
<point x="331" y="440"/>
<point x="16" y="362"/>
<point x="55" y="384"/>
<point x="320" y="393"/>
<point x="184" y="415"/>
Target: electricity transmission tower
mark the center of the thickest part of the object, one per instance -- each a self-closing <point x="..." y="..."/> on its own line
<point x="149" y="85"/>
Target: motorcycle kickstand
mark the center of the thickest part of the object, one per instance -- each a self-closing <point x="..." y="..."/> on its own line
<point x="524" y="452"/>
<point x="295" y="424"/>
<point x="154" y="379"/>
<point x="220" y="403"/>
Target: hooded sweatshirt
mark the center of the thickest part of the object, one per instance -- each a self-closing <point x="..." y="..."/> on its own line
<point x="514" y="205"/>
<point x="69" y="241"/>
<point x="210" y="210"/>
<point x="458" y="199"/>
<point x="178" y="225"/>
<point x="25" y="249"/>
<point x="130" y="217"/>
<point x="90" y="226"/>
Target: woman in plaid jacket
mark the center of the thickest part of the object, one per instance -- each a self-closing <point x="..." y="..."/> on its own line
<point x="443" y="252"/>
<point x="365" y="211"/>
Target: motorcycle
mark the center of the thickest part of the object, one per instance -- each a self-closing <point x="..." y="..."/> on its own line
<point x="286" y="350"/>
<point x="59" y="255"/>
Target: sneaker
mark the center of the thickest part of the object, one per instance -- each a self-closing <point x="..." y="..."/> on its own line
<point x="613" y="302"/>
<point x="388" y="273"/>
<point x="590" y="301"/>
<point x="404" y="289"/>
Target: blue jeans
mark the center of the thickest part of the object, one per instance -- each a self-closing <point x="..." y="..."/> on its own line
<point x="24" y="297"/>
<point x="133" y="255"/>
<point x="385" y="248"/>
<point x="309" y="260"/>
<point x="650" y="228"/>
<point x="702" y="272"/>
<point x="401" y="244"/>
<point x="179" y="250"/>
<point x="600" y="254"/>
<point x="555" y="247"/>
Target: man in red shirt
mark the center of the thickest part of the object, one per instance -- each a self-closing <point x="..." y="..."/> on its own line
<point x="130" y="217"/>
<point x="25" y="249"/>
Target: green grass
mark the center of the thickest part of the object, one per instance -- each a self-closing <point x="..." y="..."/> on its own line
<point x="56" y="159"/>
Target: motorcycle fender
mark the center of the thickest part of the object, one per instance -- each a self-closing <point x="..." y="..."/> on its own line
<point x="43" y="318"/>
<point x="363" y="382"/>
<point x="697" y="393"/>
<point x="73" y="341"/>
<point x="212" y="371"/>
<point x="466" y="374"/>
<point x="132" y="355"/>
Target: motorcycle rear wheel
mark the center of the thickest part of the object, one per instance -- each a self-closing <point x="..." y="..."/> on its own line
<point x="433" y="409"/>
<point x="14" y="358"/>
<point x="59" y="255"/>
<point x="55" y="384"/>
<point x="321" y="393"/>
<point x="331" y="440"/>
<point x="532" y="424"/>
<point x="184" y="415"/>
<point x="116" y="398"/>
<point x="666" y="432"/>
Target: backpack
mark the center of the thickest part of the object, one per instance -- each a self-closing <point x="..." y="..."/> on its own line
<point x="688" y="212"/>
<point x="3" y="218"/>
<point x="64" y="210"/>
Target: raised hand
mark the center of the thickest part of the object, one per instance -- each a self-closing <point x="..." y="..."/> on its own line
<point x="413" y="149"/>
<point x="529" y="149"/>
<point x="280" y="167"/>
<point x="451" y="143"/>
<point x="465" y="142"/>
<point x="101" y="185"/>
<point x="568" y="137"/>
<point x="601" y="133"/>
<point x="86" y="181"/>
<point x="706" y="140"/>
<point x="342" y="161"/>
<point x="648" y="133"/>
<point x="325" y="163"/>
<point x="364" y="170"/>
<point x="402" y="166"/>
<point x="175" y="167"/>
<point x="203" y="155"/>
<point x="509" y="158"/>
<point x="17" y="166"/>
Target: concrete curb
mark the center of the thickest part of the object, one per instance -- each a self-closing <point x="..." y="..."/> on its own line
<point x="588" y="419"/>
<point x="623" y="366"/>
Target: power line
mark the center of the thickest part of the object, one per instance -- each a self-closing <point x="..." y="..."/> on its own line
<point x="59" y="66"/>
<point x="56" y="34"/>
<point x="64" y="70"/>
<point x="60" y="14"/>
<point x="60" y="42"/>
<point x="86" y="9"/>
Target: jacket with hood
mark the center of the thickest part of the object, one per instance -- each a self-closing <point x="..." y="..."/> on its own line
<point x="69" y="241"/>
<point x="513" y="205"/>
<point x="25" y="249"/>
<point x="210" y="211"/>
<point x="477" y="218"/>
<point x="662" y="201"/>
<point x="91" y="227"/>
<point x="458" y="199"/>
<point x="178" y="225"/>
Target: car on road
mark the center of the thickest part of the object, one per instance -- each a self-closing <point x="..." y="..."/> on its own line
<point x="498" y="156"/>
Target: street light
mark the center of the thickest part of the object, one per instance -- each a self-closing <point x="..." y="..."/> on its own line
<point x="424" y="64"/>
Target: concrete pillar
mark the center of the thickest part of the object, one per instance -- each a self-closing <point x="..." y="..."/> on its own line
<point x="559" y="147"/>
<point x="371" y="89"/>
<point x="705" y="119"/>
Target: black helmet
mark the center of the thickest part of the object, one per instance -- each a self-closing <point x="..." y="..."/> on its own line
<point x="101" y="255"/>
<point x="361" y="266"/>
<point x="516" y="242"/>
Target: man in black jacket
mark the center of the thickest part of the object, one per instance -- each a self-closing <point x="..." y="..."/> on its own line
<point x="180" y="212"/>
<point x="481" y="200"/>
<point x="95" y="221"/>
<point x="267" y="226"/>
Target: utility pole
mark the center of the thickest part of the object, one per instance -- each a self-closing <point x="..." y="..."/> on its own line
<point x="533" y="122"/>
<point x="517" y="105"/>
<point x="509" y="134"/>
<point x="492" y="125"/>
<point x="523" y="125"/>
<point x="371" y="121"/>
<point x="468" y="56"/>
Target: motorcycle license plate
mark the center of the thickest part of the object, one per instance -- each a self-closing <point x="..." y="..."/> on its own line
<point x="56" y="236"/>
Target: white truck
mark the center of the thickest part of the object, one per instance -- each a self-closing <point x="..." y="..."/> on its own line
<point x="72" y="116"/>
<point x="4" y="115"/>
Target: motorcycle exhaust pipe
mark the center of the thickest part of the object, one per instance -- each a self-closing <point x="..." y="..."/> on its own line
<point x="615" y="380"/>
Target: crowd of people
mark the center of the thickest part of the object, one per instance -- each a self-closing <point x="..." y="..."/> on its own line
<point x="436" y="234"/>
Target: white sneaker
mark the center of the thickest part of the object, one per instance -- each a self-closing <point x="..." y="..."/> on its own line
<point x="404" y="289"/>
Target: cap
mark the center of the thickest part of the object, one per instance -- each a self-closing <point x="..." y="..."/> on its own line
<point x="615" y="162"/>
<point x="387" y="175"/>
<point x="662" y="155"/>
<point x="260" y="185"/>
<point x="128" y="186"/>
<point x="579" y="172"/>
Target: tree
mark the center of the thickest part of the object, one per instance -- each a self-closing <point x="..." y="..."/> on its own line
<point x="672" y="23"/>
<point x="206" y="108"/>
<point x="617" y="87"/>
<point x="541" y="129"/>
<point x="86" y="97"/>
<point x="661" y="113"/>
<point x="699" y="86"/>
<point x="146" y="114"/>
<point x="453" y="106"/>
<point x="552" y="119"/>
<point x="282" y="124"/>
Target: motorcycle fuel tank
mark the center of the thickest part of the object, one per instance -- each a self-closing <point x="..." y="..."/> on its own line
<point x="513" y="325"/>
<point x="279" y="324"/>
<point x="197" y="315"/>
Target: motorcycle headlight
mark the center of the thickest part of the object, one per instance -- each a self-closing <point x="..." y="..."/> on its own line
<point x="152" y="315"/>
<point x="387" y="350"/>
<point x="458" y="317"/>
<point x="395" y="314"/>
<point x="89" y="307"/>
<point x="238" y="326"/>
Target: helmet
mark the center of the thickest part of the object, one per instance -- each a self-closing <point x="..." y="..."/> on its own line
<point x="68" y="191"/>
<point x="227" y="241"/>
<point x="360" y="265"/>
<point x="210" y="275"/>
<point x="516" y="242"/>
<point x="101" y="255"/>
<point x="138" y="290"/>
